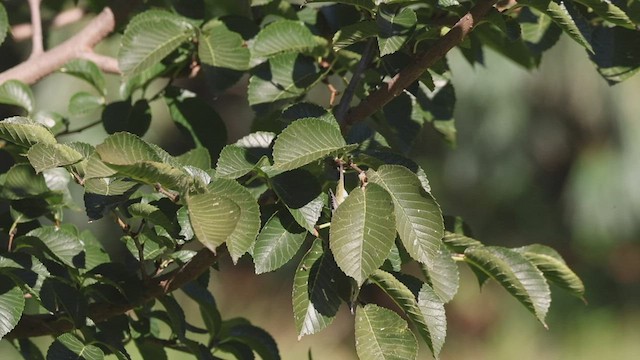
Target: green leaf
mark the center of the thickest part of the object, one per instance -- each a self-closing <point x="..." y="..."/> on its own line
<point x="87" y="71"/>
<point x="617" y="53"/>
<point x="126" y="149"/>
<point x="21" y="181"/>
<point x="94" y="253"/>
<point x="553" y="267"/>
<point x="213" y="218"/>
<point x="11" y="305"/>
<point x="443" y="275"/>
<point x="198" y="157"/>
<point x="43" y="156"/>
<point x="430" y="323"/>
<point x="560" y="15"/>
<point x="199" y="121"/>
<point x="353" y="33"/>
<point x="283" y="36"/>
<point x="395" y="27"/>
<point x="278" y="241"/>
<point x="25" y="270"/>
<point x="458" y="242"/>
<point x="61" y="242"/>
<point x="150" y="37"/>
<point x="236" y="161"/>
<point x="383" y="334"/>
<point x="197" y="290"/>
<point x="315" y="299"/>
<point x="14" y="92"/>
<point x="82" y="103"/>
<point x="363" y="231"/>
<point x="176" y="315"/>
<point x="301" y="193"/>
<point x="122" y="116"/>
<point x="60" y="297"/>
<point x="365" y="4"/>
<point x="516" y="274"/>
<point x="69" y="347"/>
<point x="418" y="217"/>
<point x="284" y="76"/>
<point x="305" y="141"/>
<point x="218" y="46"/>
<point x="153" y="214"/>
<point x="257" y="339"/>
<point x="25" y="132"/>
<point x="4" y="27"/>
<point x="609" y="11"/>
<point x="243" y="237"/>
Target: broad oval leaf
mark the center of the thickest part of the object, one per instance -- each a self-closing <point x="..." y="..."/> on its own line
<point x="67" y="346"/>
<point x="381" y="334"/>
<point x="442" y="273"/>
<point x="43" y="156"/>
<point x="516" y="274"/>
<point x="315" y="299"/>
<point x="354" y="33"/>
<point x="221" y="47"/>
<point x="428" y="317"/>
<point x="363" y="231"/>
<point x="149" y="37"/>
<point x="25" y="132"/>
<point x="14" y="92"/>
<point x="278" y="241"/>
<point x="123" y="116"/>
<point x="125" y="149"/>
<point x="83" y="102"/>
<point x="283" y="36"/>
<point x="418" y="217"/>
<point x="213" y="218"/>
<point x="234" y="162"/>
<point x="21" y="181"/>
<point x="395" y="27"/>
<point x="553" y="267"/>
<point x="11" y="305"/>
<point x="87" y="71"/>
<point x="62" y="242"/>
<point x="305" y="141"/>
<point x="243" y="237"/>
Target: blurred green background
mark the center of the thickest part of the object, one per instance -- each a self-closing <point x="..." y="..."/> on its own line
<point x="549" y="156"/>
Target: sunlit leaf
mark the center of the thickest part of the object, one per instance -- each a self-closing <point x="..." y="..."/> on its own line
<point x="11" y="305"/>
<point x="353" y="33"/>
<point x="218" y="46"/>
<point x="278" y="241"/>
<point x="61" y="242"/>
<point x="553" y="267"/>
<point x="68" y="346"/>
<point x="25" y="132"/>
<point x="283" y="36"/>
<point x="14" y="92"/>
<point x="149" y="37"/>
<point x="363" y="231"/>
<point x="87" y="71"/>
<point x="516" y="274"/>
<point x="43" y="156"/>
<point x="213" y="218"/>
<point x="304" y="141"/>
<point x="418" y="216"/>
<point x="381" y="334"/>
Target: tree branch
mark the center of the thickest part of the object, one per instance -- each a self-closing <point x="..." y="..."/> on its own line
<point x="37" y="46"/>
<point x="345" y="101"/>
<point x="21" y="32"/>
<point x="78" y="46"/>
<point x="41" y="325"/>
<point x="408" y="75"/>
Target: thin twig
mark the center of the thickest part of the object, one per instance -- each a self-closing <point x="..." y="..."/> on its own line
<point x="80" y="129"/>
<point x="345" y="101"/>
<point x="408" y="75"/>
<point x="37" y="46"/>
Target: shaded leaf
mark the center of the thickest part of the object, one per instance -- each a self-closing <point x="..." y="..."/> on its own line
<point x="363" y="231"/>
<point x="395" y="26"/>
<point x="257" y="339"/>
<point x="4" y="26"/>
<point x="21" y="181"/>
<point x="83" y="102"/>
<point x="315" y="300"/>
<point x="609" y="11"/>
<point x="516" y="274"/>
<point x="442" y="273"/>
<point x="149" y="37"/>
<point x="198" y="157"/>
<point x="122" y="116"/>
<point x="61" y="242"/>
<point x="353" y="33"/>
<point x="383" y="334"/>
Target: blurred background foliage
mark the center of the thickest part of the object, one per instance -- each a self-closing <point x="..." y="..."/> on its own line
<point x="549" y="156"/>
